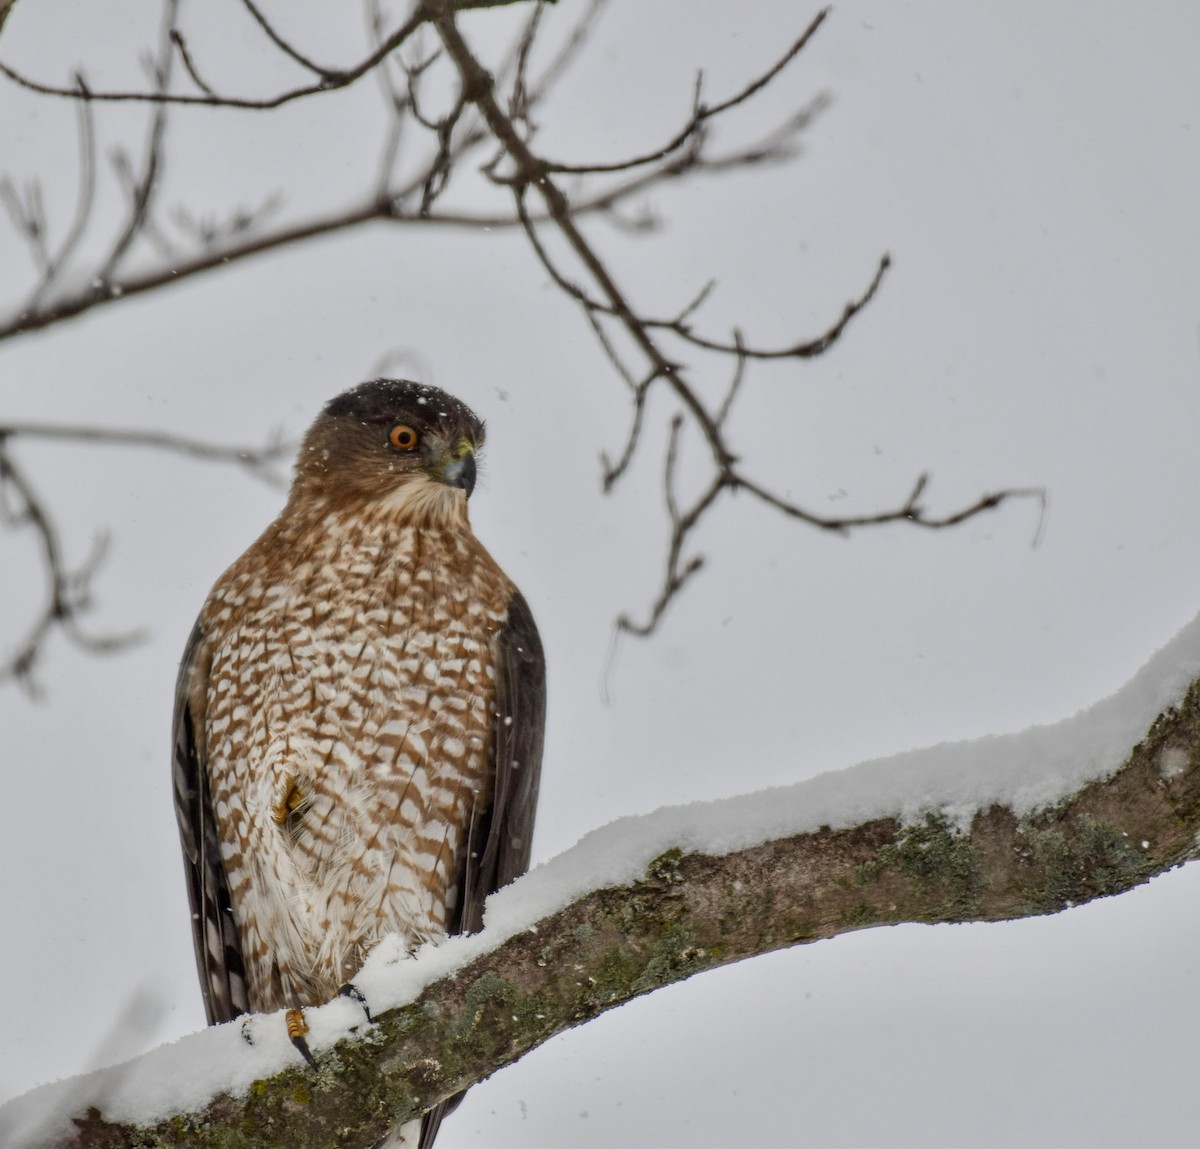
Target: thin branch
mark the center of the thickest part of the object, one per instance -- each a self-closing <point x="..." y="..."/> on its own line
<point x="439" y="172"/>
<point x="189" y="65"/>
<point x="331" y="81"/>
<point x="209" y="233"/>
<point x="84" y="202"/>
<point x="376" y="209"/>
<point x="68" y="591"/>
<point x="701" y="114"/>
<point x="397" y="104"/>
<point x="141" y="188"/>
<point x="519" y="107"/>
<point x="807" y="349"/>
<point x="258" y="461"/>
<point x="27" y="214"/>
<point x="910" y="511"/>
<point x="565" y="57"/>
<point x="284" y="46"/>
<point x="735" y="384"/>
<point x="530" y="170"/>
<point x="678" y="573"/>
<point x="614" y="471"/>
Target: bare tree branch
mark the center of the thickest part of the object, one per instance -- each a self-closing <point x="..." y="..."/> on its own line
<point x="701" y="114"/>
<point x="245" y="237"/>
<point x="693" y="911"/>
<point x="284" y="46"/>
<point x="6" y="7"/>
<point x="189" y="65"/>
<point x="259" y="461"/>
<point x="69" y="590"/>
<point x="32" y="222"/>
<point x="141" y="188"/>
<point x="806" y="349"/>
<point x="644" y="349"/>
<point x="530" y="170"/>
<point x="329" y="81"/>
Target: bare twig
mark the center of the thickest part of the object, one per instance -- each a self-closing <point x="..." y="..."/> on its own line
<point x="806" y="349"/>
<point x="735" y="384"/>
<point x="141" y="188"/>
<point x="614" y="471"/>
<point x="566" y="55"/>
<point x="208" y="233"/>
<point x="701" y="114"/>
<point x="386" y="208"/>
<point x="84" y="202"/>
<point x="284" y="46"/>
<point x="330" y="81"/>
<point x="189" y="65"/>
<point x="396" y="102"/>
<point x="682" y="524"/>
<point x="438" y="174"/>
<point x="69" y="590"/>
<point x="258" y="461"/>
<point x="27" y="213"/>
<point x="518" y="98"/>
<point x="530" y="170"/>
<point x="641" y="346"/>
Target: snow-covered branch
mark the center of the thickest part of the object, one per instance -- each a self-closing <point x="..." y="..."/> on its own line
<point x="1004" y="827"/>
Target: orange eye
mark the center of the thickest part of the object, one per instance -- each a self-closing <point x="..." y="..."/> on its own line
<point x="403" y="437"/>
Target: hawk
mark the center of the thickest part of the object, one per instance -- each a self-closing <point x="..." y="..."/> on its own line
<point x="358" y="716"/>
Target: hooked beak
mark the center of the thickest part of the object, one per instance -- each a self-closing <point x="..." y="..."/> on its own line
<point x="459" y="470"/>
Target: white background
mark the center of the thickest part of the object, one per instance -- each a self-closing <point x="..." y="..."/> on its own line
<point x="1035" y="172"/>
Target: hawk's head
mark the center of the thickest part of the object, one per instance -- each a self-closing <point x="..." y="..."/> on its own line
<point x="407" y="443"/>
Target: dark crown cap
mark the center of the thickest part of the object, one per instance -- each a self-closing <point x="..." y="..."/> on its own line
<point x="385" y="399"/>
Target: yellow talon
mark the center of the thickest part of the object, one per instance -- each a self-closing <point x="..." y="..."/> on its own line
<point x="291" y="801"/>
<point x="297" y="1027"/>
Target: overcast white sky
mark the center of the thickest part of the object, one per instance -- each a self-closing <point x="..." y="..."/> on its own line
<point x="1035" y="172"/>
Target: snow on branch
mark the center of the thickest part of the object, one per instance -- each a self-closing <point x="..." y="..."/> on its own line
<point x="999" y="828"/>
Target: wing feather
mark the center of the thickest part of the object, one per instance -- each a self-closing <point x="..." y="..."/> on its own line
<point x="503" y="833"/>
<point x="500" y="837"/>
<point x="214" y="929"/>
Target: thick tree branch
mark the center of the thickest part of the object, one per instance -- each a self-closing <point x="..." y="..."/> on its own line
<point x="694" y="911"/>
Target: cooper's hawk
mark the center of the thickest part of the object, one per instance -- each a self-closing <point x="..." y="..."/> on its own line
<point x="359" y="715"/>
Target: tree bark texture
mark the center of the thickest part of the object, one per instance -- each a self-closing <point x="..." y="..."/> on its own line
<point x="693" y="912"/>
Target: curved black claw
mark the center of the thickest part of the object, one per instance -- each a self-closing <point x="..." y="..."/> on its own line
<point x="352" y="991"/>
<point x="297" y="1027"/>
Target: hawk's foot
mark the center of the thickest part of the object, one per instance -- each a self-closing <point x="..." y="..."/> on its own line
<point x="287" y="803"/>
<point x="297" y="1027"/>
<point x="352" y="991"/>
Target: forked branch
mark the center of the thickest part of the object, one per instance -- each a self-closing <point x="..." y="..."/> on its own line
<point x="603" y="300"/>
<point x="485" y="110"/>
<point x="69" y="590"/>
